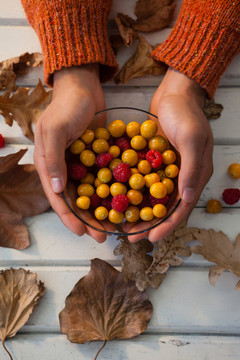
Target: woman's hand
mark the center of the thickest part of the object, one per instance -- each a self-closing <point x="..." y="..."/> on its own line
<point x="77" y="95"/>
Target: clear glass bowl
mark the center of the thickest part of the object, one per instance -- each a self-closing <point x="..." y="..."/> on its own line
<point x="127" y="114"/>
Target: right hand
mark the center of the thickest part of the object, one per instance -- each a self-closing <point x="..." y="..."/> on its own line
<point x="77" y="95"/>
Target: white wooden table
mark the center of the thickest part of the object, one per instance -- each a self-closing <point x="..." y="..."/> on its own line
<point x="191" y="318"/>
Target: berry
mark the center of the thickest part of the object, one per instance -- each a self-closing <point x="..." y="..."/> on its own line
<point x="122" y="172"/>
<point x="169" y="157"/>
<point x="148" y="129"/>
<point x="77" y="171"/>
<point x="83" y="202"/>
<point x="101" y="213"/>
<point x="115" y="217"/>
<point x="85" y="190"/>
<point x="103" y="159"/>
<point x="213" y="206"/>
<point x="117" y="128"/>
<point x="142" y="154"/>
<point x="102" y="133"/>
<point x="154" y="201"/>
<point x="2" y="141"/>
<point x="231" y="196"/>
<point x="88" y="179"/>
<point x="151" y="179"/>
<point x="100" y="146"/>
<point x="113" y="163"/>
<point x="104" y="175"/>
<point x="103" y="191"/>
<point x="137" y="181"/>
<point x="154" y="157"/>
<point x="132" y="214"/>
<point x="159" y="210"/>
<point x="158" y="190"/>
<point x="87" y="157"/>
<point x="144" y="167"/>
<point x="135" y="197"/>
<point x="158" y="143"/>
<point x="118" y="188"/>
<point x="146" y="214"/>
<point x="95" y="201"/>
<point x="123" y="144"/>
<point x="87" y="136"/>
<point x="107" y="203"/>
<point x="130" y="157"/>
<point x="133" y="129"/>
<point x="171" y="171"/>
<point x="169" y="185"/>
<point x="77" y="147"/>
<point x="111" y="141"/>
<point x="120" y="202"/>
<point x="114" y="150"/>
<point x="234" y="170"/>
<point x="145" y="202"/>
<point x="138" y="142"/>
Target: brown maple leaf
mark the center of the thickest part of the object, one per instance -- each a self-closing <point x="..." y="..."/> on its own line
<point x="19" y="294"/>
<point x="140" y="63"/>
<point x="103" y="306"/>
<point x="25" y="107"/>
<point x="21" y="195"/>
<point x="153" y="15"/>
<point x="136" y="260"/>
<point x="218" y="248"/>
<point x="125" y="26"/>
<point x="11" y="68"/>
<point x="212" y="110"/>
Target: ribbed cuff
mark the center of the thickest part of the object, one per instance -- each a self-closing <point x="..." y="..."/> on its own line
<point x="202" y="43"/>
<point x="72" y="33"/>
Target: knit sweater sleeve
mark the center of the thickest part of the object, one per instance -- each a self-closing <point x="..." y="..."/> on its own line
<point x="72" y="33"/>
<point x="203" y="42"/>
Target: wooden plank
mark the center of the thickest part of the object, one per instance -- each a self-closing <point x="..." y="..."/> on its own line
<point x="168" y="347"/>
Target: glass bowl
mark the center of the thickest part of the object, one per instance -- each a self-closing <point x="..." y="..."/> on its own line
<point x="126" y="114"/>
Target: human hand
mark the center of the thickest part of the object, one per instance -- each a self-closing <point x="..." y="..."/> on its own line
<point x="178" y="102"/>
<point x="77" y="95"/>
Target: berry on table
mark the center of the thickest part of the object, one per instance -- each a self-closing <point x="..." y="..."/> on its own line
<point x="2" y="141"/>
<point x="102" y="133"/>
<point x="122" y="172"/>
<point x="154" y="157"/>
<point x="120" y="202"/>
<point x="130" y="157"/>
<point x="115" y="217"/>
<point x="158" y="143"/>
<point x="117" y="128"/>
<point x="87" y="157"/>
<point x="77" y="147"/>
<point x="213" y="206"/>
<point x="88" y="136"/>
<point x="101" y="213"/>
<point x="77" y="171"/>
<point x="148" y="129"/>
<point x="133" y="129"/>
<point x="234" y="170"/>
<point x="103" y="159"/>
<point x="83" y="202"/>
<point x="132" y="214"/>
<point x="231" y="196"/>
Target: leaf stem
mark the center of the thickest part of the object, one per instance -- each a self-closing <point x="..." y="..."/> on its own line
<point x="98" y="350"/>
<point x="4" y="346"/>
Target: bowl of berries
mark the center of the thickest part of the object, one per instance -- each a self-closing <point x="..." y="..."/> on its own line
<point x="123" y="176"/>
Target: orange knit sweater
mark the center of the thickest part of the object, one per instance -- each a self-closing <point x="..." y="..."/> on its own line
<point x="201" y="45"/>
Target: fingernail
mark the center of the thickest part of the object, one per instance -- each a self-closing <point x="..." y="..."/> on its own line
<point x="56" y="185"/>
<point x="188" y="195"/>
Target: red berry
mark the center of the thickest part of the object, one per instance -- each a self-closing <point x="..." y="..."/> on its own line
<point x="155" y="158"/>
<point x="231" y="196"/>
<point x="154" y="201"/>
<point x="103" y="159"/>
<point x="142" y="154"/>
<point x="120" y="202"/>
<point x="2" y="141"/>
<point x="107" y="203"/>
<point x="95" y="201"/>
<point x="77" y="171"/>
<point x="122" y="172"/>
<point x="123" y="144"/>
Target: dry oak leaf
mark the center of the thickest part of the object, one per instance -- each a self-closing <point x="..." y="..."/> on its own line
<point x="25" y="107"/>
<point x="103" y="306"/>
<point x="136" y="260"/>
<point x="21" y="195"/>
<point x="125" y="26"/>
<point x="168" y="249"/>
<point x="19" y="294"/>
<point x="153" y="15"/>
<point x="140" y="63"/>
<point x="218" y="248"/>
<point x="212" y="110"/>
<point x="17" y="66"/>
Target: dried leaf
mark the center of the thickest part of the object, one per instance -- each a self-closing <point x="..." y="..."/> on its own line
<point x="11" y="68"/>
<point x="19" y="294"/>
<point x="153" y="15"/>
<point x="168" y="249"/>
<point x="125" y="26"/>
<point x="21" y="195"/>
<point x="103" y="306"/>
<point x="212" y="110"/>
<point x="140" y="63"/>
<point x="116" y="43"/>
<point x="24" y="107"/>
<point x="218" y="248"/>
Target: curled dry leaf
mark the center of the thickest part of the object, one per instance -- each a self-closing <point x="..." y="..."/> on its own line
<point x="11" y="68"/>
<point x="116" y="43"/>
<point x="140" y="63"/>
<point x="125" y="26"/>
<point x="218" y="248"/>
<point x="19" y="294"/>
<point x="212" y="110"/>
<point x="136" y="260"/>
<point x="24" y="107"/>
<point x="21" y="195"/>
<point x="153" y="15"/>
<point x="103" y="306"/>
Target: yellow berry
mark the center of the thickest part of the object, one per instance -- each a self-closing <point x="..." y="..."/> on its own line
<point x="148" y="129"/>
<point x="114" y="150"/>
<point x="86" y="190"/>
<point x="169" y="157"/>
<point x="117" y="128"/>
<point x="115" y="217"/>
<point x="83" y="202"/>
<point x="159" y="210"/>
<point x="161" y="174"/>
<point x="103" y="191"/>
<point x="133" y="129"/>
<point x="97" y="182"/>
<point x="77" y="147"/>
<point x="132" y="214"/>
<point x="104" y="175"/>
<point x="144" y="167"/>
<point x="213" y="206"/>
<point x="117" y="189"/>
<point x="102" y="133"/>
<point x="138" y="142"/>
<point x="130" y="157"/>
<point x="100" y="146"/>
<point x="151" y="179"/>
<point x="134" y="171"/>
<point x="87" y="157"/>
<point x="87" y="136"/>
<point x="234" y="170"/>
<point x="135" y="197"/>
<point x="88" y="179"/>
<point x="113" y="163"/>
<point x="171" y="171"/>
<point x="158" y="143"/>
<point x="146" y="214"/>
<point x="101" y="213"/>
<point x="137" y="181"/>
<point x="158" y="190"/>
<point x="169" y="185"/>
